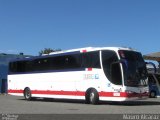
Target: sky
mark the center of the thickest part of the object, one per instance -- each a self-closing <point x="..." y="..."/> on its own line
<point x="29" y="26"/>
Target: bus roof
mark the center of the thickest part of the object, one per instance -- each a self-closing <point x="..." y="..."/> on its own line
<point x="89" y="49"/>
<point x="79" y="50"/>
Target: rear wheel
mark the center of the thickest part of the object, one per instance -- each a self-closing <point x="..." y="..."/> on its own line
<point x="27" y="94"/>
<point x="152" y="94"/>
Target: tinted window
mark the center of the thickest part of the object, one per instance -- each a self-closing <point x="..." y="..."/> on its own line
<point x="108" y="60"/>
<point x="28" y="66"/>
<point x="91" y="60"/>
<point x="18" y="66"/>
<point x="13" y="67"/>
<point x="116" y="76"/>
<point x="66" y="62"/>
<point x="73" y="61"/>
<point x="41" y="64"/>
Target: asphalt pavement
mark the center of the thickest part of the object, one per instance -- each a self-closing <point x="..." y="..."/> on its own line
<point x="16" y="107"/>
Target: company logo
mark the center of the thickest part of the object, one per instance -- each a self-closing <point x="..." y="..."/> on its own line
<point x="90" y="76"/>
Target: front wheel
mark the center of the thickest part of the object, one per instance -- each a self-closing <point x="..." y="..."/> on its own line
<point x="93" y="97"/>
<point x="27" y="94"/>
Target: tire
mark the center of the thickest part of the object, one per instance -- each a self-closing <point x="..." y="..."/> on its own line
<point x="152" y="94"/>
<point x="27" y="94"/>
<point x="93" y="97"/>
<point x="87" y="101"/>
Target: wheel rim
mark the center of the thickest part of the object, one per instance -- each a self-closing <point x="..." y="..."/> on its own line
<point x="92" y="97"/>
<point x="27" y="94"/>
<point x="152" y="94"/>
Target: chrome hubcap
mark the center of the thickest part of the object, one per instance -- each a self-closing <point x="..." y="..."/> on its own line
<point x="91" y="97"/>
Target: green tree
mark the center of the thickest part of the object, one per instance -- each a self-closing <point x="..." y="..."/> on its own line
<point x="48" y="50"/>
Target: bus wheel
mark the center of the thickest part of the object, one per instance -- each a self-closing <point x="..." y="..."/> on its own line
<point x="27" y="94"/>
<point x="93" y="97"/>
<point x="152" y="94"/>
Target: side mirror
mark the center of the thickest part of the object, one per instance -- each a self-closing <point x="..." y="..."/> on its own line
<point x="122" y="61"/>
<point x="150" y="70"/>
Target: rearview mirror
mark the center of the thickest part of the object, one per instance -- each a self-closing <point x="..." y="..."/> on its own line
<point x="150" y="69"/>
<point x="122" y="61"/>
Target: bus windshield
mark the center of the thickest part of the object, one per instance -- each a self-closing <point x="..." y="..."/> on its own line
<point x="134" y="67"/>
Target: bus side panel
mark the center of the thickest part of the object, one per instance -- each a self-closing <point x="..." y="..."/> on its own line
<point x="56" y="84"/>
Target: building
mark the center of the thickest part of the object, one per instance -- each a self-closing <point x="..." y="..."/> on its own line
<point x="4" y="63"/>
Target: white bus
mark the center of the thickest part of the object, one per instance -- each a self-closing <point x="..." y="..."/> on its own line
<point x="90" y="74"/>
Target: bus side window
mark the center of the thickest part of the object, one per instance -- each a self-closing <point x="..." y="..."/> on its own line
<point x="91" y="60"/>
<point x="72" y="61"/>
<point x="13" y="67"/>
<point x="108" y="57"/>
<point x="66" y="62"/>
<point x="41" y="64"/>
<point x="21" y="66"/>
<point x="28" y="66"/>
<point x="116" y="76"/>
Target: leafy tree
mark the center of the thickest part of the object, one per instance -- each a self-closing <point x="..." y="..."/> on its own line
<point x="48" y="50"/>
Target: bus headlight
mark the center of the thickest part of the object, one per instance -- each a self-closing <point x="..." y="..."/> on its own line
<point x="130" y="92"/>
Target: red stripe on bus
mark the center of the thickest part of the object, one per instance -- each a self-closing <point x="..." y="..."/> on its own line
<point x="48" y="92"/>
<point x="59" y="92"/>
<point x="89" y="69"/>
<point x="81" y="93"/>
<point x="15" y="91"/>
<point x="84" y="51"/>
